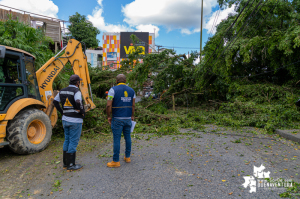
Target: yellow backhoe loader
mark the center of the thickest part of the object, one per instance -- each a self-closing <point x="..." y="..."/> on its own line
<point x="27" y="113"/>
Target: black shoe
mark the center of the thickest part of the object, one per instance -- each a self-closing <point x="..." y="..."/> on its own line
<point x="65" y="159"/>
<point x="71" y="162"/>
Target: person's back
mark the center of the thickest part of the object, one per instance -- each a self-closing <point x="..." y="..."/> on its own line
<point x="121" y="103"/>
<point x="72" y="112"/>
<point x="123" y="97"/>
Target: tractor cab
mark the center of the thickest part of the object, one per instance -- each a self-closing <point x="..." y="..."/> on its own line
<point x="17" y="77"/>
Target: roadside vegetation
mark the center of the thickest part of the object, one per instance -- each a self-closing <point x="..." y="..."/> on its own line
<point x="249" y="75"/>
<point x="24" y="37"/>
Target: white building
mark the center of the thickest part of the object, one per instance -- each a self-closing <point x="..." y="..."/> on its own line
<point x="94" y="57"/>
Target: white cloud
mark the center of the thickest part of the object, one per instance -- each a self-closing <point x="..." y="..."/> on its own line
<point x="140" y="15"/>
<point x="221" y="16"/>
<point x="99" y="2"/>
<point x="145" y="15"/>
<point x="186" y="31"/>
<point x="43" y="7"/>
<point x="196" y="61"/>
<point x="98" y="21"/>
<point x="148" y="28"/>
<point x="173" y="14"/>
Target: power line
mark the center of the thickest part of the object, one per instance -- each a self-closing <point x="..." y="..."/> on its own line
<point x="215" y="21"/>
<point x="248" y="8"/>
<point x="220" y="43"/>
<point x="241" y="28"/>
<point x="158" y="46"/>
<point x="235" y="39"/>
<point x="236" y="35"/>
<point x="265" y="18"/>
<point x="180" y="47"/>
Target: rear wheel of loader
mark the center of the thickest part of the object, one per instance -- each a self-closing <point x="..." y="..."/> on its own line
<point x="29" y="132"/>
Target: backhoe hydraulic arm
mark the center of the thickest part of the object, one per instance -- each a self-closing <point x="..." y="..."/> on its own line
<point x="49" y="71"/>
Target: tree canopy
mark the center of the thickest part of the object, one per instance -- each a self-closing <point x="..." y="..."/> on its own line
<point x="263" y="44"/>
<point x="83" y="30"/>
<point x="260" y="43"/>
<point x="21" y="36"/>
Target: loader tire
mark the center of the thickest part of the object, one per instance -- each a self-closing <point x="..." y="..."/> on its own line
<point x="29" y="132"/>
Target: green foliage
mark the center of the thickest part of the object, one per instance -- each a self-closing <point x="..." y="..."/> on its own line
<point x="21" y="36"/>
<point x="167" y="130"/>
<point x="57" y="183"/>
<point x="62" y="80"/>
<point x="167" y="70"/>
<point x="237" y="141"/>
<point x="159" y="108"/>
<point x="103" y="80"/>
<point x="247" y="85"/>
<point x="264" y="106"/>
<point x="291" y="192"/>
<point x="164" y="68"/>
<point x="270" y="42"/>
<point x="95" y="120"/>
<point x="83" y="30"/>
<point x="249" y="72"/>
<point x="262" y="93"/>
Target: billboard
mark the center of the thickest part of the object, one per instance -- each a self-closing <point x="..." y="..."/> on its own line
<point x="127" y="46"/>
<point x="111" y="56"/>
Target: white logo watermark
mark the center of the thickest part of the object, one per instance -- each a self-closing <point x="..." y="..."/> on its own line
<point x="261" y="179"/>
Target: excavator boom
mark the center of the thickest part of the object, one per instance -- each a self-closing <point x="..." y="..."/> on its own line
<point x="49" y="71"/>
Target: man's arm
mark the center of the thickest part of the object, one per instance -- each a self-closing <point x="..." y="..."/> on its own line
<point x="110" y="97"/>
<point x="133" y="108"/>
<point x="108" y="110"/>
<point x="81" y="109"/>
<point x="78" y="101"/>
<point x="56" y="104"/>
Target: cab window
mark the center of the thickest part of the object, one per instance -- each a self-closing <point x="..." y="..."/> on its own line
<point x="10" y="70"/>
<point x="10" y="80"/>
<point x="31" y="81"/>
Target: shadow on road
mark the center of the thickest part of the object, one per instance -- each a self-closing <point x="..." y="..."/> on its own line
<point x="5" y="152"/>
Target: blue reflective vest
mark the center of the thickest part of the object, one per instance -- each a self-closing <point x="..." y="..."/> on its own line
<point x="122" y="102"/>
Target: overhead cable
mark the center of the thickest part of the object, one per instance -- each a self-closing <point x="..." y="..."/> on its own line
<point x="220" y="43"/>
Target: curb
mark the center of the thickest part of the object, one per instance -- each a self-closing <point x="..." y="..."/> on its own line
<point x="286" y="134"/>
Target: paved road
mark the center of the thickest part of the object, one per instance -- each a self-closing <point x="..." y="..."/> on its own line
<point x="195" y="164"/>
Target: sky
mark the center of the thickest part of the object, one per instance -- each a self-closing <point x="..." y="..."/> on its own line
<point x="176" y="23"/>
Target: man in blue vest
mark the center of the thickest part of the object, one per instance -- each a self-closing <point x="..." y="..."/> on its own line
<point x="72" y="118"/>
<point x="121" y="103"/>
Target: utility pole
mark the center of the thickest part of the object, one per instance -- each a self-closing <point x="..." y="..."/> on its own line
<point x="154" y="38"/>
<point x="201" y="29"/>
<point x="158" y="46"/>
